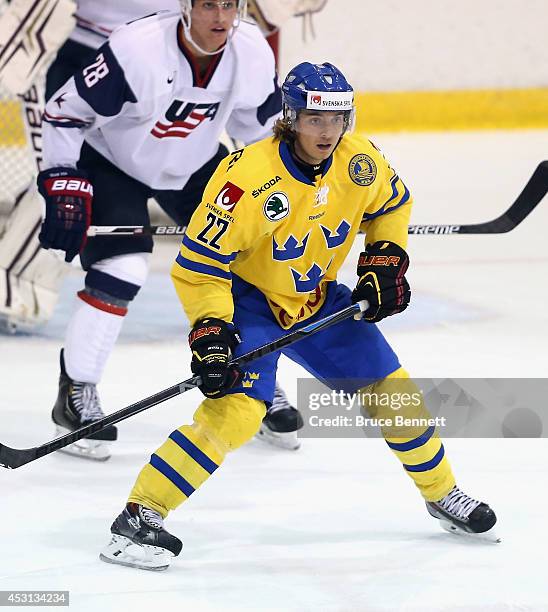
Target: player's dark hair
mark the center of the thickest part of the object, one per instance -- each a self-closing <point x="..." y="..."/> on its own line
<point x="283" y="131"/>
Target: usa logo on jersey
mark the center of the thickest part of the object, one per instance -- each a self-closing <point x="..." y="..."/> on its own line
<point x="182" y="118"/>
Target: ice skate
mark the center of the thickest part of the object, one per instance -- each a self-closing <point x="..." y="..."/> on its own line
<point x="8" y="326"/>
<point x="462" y="515"/>
<point x="139" y="540"/>
<point x="78" y="405"/>
<point x="281" y="423"/>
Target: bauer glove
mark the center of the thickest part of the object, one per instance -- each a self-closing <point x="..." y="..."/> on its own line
<point x="212" y="342"/>
<point x="68" y="195"/>
<point x="382" y="282"/>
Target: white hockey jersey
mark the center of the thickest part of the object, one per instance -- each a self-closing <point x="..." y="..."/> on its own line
<point x="144" y="106"/>
<point x="97" y="19"/>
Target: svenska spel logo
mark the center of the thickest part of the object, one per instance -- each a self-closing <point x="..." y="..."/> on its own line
<point x="229" y="196"/>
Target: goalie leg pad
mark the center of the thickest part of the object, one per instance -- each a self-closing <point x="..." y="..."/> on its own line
<point x="30" y="278"/>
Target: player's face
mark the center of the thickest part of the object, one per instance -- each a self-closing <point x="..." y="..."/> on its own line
<point x="317" y="135"/>
<point x="212" y="21"/>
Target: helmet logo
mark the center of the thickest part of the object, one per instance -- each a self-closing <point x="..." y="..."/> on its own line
<point x="362" y="170"/>
<point x="276" y="207"/>
<point x="330" y="100"/>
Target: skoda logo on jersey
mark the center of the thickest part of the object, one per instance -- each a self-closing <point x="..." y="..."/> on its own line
<point x="276" y="207"/>
<point x="229" y="196"/>
<point x="268" y="185"/>
<point x="362" y="170"/>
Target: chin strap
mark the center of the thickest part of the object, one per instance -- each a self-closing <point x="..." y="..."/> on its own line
<point x="187" y="24"/>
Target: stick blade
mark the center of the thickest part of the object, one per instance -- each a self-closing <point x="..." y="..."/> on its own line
<point x="12" y="458"/>
<point x="531" y="196"/>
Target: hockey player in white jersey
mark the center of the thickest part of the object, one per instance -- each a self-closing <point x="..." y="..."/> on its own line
<point x="32" y="34"/>
<point x="143" y="119"/>
<point x="95" y="22"/>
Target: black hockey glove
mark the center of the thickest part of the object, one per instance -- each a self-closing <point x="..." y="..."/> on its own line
<point x="68" y="195"/>
<point x="212" y="342"/>
<point x="382" y="281"/>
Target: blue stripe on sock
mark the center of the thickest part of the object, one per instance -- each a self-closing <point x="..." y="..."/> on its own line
<point x="428" y="465"/>
<point x="415" y="443"/>
<point x="191" y="449"/>
<point x="173" y="476"/>
<point x="111" y="285"/>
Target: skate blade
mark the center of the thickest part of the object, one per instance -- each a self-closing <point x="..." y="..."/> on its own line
<point x="8" y="327"/>
<point x="94" y="450"/>
<point x="122" y="551"/>
<point x="487" y="536"/>
<point x="287" y="441"/>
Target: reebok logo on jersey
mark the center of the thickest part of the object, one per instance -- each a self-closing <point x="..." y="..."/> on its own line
<point x="182" y="118"/>
<point x="229" y="196"/>
<point x="257" y="192"/>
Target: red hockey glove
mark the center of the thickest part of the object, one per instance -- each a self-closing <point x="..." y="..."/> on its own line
<point x="212" y="342"/>
<point x="382" y="281"/>
<point x="68" y="195"/>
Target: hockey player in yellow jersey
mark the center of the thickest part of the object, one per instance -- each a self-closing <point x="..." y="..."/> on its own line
<point x="261" y="256"/>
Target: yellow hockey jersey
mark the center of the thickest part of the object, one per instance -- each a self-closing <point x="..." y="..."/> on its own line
<point x="264" y="221"/>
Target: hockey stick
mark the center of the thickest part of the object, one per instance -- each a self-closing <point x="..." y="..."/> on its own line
<point x="528" y="199"/>
<point x="12" y="458"/>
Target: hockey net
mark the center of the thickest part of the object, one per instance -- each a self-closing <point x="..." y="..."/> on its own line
<point x="16" y="161"/>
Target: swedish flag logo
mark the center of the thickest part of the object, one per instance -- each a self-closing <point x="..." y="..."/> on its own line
<point x="249" y="379"/>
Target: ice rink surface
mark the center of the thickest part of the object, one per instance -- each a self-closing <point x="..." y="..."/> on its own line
<point x="337" y="525"/>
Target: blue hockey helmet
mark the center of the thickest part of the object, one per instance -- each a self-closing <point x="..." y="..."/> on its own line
<point x="320" y="87"/>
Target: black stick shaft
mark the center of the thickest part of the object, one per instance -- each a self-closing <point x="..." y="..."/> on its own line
<point x="13" y="458"/>
<point x="529" y="198"/>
